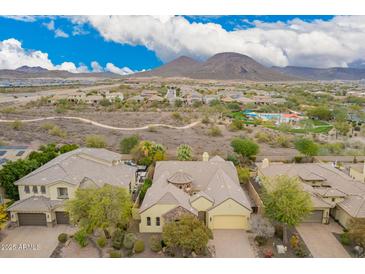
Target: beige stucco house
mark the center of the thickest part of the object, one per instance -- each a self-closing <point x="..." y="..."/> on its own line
<point x="357" y="172"/>
<point x="44" y="191"/>
<point x="333" y="192"/>
<point x="207" y="189"/>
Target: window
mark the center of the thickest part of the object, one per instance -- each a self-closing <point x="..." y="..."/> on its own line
<point x="43" y="189"/>
<point x="148" y="221"/>
<point x="157" y="221"/>
<point x="26" y="189"/>
<point x="35" y="189"/>
<point x="62" y="193"/>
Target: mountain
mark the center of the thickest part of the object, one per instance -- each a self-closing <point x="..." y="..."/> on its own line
<point x="26" y="72"/>
<point x="323" y="73"/>
<point x="179" y="67"/>
<point x="222" y="66"/>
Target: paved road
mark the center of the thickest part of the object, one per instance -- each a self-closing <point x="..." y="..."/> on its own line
<point x="31" y="241"/>
<point x="320" y="240"/>
<point x="231" y="243"/>
<point x="100" y="124"/>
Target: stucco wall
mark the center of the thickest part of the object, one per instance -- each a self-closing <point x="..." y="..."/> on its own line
<point x="228" y="207"/>
<point x="201" y="204"/>
<point x="23" y="195"/>
<point x="52" y="190"/>
<point x="343" y="217"/>
<point x="153" y="212"/>
<point x="358" y="176"/>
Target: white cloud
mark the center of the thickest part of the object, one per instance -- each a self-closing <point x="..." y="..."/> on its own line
<point x="121" y="71"/>
<point x="96" y="67"/>
<point x="13" y="56"/>
<point x="336" y="42"/>
<point x="24" y="18"/>
<point x="57" y="31"/>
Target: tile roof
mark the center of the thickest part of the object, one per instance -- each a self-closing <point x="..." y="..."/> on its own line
<point x="34" y="204"/>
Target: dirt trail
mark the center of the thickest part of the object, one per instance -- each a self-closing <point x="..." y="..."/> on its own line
<point x="100" y="124"/>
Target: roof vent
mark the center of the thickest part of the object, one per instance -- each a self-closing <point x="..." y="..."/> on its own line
<point x="205" y="157"/>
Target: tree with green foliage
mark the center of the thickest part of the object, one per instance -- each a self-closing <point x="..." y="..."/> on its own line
<point x="320" y="113"/>
<point x="45" y="154"/>
<point x="95" y="141"/>
<point x="184" y="153"/>
<point x="285" y="201"/>
<point x="307" y="147"/>
<point x="342" y="127"/>
<point x="128" y="143"/>
<point x="105" y="208"/>
<point x="146" y="185"/>
<point x="244" y="147"/>
<point x="147" y="152"/>
<point x="68" y="147"/>
<point x="186" y="235"/>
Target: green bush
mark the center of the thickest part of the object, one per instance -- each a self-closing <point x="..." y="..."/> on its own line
<point x="129" y="240"/>
<point x="300" y="252"/>
<point x="62" y="238"/>
<point x="101" y="241"/>
<point x="128" y="143"/>
<point x="155" y="243"/>
<point x="138" y="246"/>
<point x="233" y="158"/>
<point x="260" y="240"/>
<point x="345" y="239"/>
<point x="115" y="254"/>
<point x="81" y="238"/>
<point x="117" y="239"/>
<point x="146" y="185"/>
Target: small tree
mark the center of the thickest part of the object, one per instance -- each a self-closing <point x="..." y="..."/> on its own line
<point x="106" y="208"/>
<point x="184" y="153"/>
<point x="95" y="141"/>
<point x="244" y="147"/>
<point x="285" y="201"/>
<point x="186" y="235"/>
<point x="307" y="147"/>
<point x="357" y="232"/>
<point x="128" y="143"/>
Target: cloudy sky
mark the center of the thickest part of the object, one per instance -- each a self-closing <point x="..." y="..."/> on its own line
<point x="123" y="44"/>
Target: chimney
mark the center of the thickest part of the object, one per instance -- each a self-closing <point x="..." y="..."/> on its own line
<point x="265" y="163"/>
<point x="205" y="157"/>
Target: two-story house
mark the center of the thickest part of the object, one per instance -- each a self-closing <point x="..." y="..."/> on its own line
<point x="44" y="191"/>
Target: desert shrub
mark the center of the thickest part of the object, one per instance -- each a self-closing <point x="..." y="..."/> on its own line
<point x="262" y="226"/>
<point x="300" y="251"/>
<point x="62" y="238"/>
<point x="214" y="131"/>
<point x="56" y="131"/>
<point x="243" y="174"/>
<point x="178" y="103"/>
<point x="128" y="143"/>
<point x="101" y="241"/>
<point x="138" y="246"/>
<point x="152" y="129"/>
<point x="205" y="120"/>
<point x="236" y="124"/>
<point x="345" y="239"/>
<point x="105" y="102"/>
<point x="263" y="137"/>
<point x="48" y="126"/>
<point x="8" y="110"/>
<point x="294" y="241"/>
<point x="16" y="125"/>
<point x="176" y="116"/>
<point x="282" y="141"/>
<point x="81" y="238"/>
<point x="260" y="240"/>
<point x="115" y="254"/>
<point x="233" y="158"/>
<point x="117" y="239"/>
<point x="298" y="159"/>
<point x="129" y="240"/>
<point x="155" y="243"/>
<point x="95" y="141"/>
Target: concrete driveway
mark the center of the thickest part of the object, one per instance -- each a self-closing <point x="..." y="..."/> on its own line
<point x="31" y="241"/>
<point x="232" y="244"/>
<point x="320" y="240"/>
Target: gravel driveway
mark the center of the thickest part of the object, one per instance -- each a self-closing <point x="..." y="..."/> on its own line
<point x="320" y="240"/>
<point x="232" y="244"/>
<point x="31" y="241"/>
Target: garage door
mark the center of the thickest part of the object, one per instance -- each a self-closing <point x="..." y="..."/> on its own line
<point x="230" y="222"/>
<point x="36" y="219"/>
<point x="62" y="218"/>
<point x="314" y="217"/>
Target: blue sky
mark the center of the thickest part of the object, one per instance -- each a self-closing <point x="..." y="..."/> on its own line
<point x="113" y="41"/>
